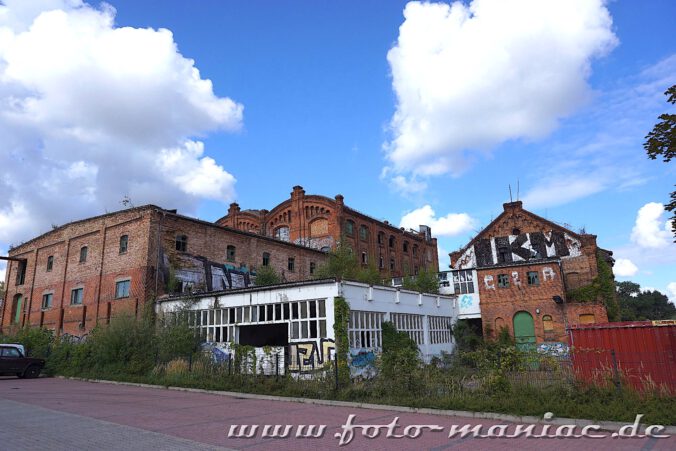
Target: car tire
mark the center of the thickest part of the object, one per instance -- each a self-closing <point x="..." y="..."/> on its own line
<point x="32" y="372"/>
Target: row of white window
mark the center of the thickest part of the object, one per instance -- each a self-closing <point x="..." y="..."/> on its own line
<point x="365" y="328"/>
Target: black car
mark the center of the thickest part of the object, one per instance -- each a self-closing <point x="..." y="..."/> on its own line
<point x="13" y="361"/>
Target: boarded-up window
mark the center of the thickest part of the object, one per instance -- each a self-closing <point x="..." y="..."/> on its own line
<point x="547" y="323"/>
<point x="319" y="227"/>
<point x="282" y="233"/>
<point x="587" y="318"/>
<point x="499" y="324"/>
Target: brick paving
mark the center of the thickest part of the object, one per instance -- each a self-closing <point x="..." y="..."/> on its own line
<point x="64" y="414"/>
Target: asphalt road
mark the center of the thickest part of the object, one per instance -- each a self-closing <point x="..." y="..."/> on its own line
<point x="57" y="414"/>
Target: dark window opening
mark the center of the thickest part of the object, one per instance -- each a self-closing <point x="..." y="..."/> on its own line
<point x="294" y="310"/>
<point x="503" y="280"/>
<point x="312" y="267"/>
<point x="230" y="253"/>
<point x="503" y="255"/>
<point x="363" y="233"/>
<point x="266" y="258"/>
<point x="181" y="243"/>
<point x="533" y="278"/>
<point x="47" y="301"/>
<point x="83" y="254"/>
<point x="278" y="311"/>
<point x="124" y="242"/>
<point x="405" y="246"/>
<point x="21" y="272"/>
<point x="364" y="258"/>
<point x="349" y="228"/>
<point x="392" y="241"/>
<point x="264" y="335"/>
<point x="291" y="264"/>
<point x="76" y="296"/>
<point x="50" y="263"/>
<point x="392" y="264"/>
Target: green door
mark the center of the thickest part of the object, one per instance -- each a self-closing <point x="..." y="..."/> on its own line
<point x="524" y="331"/>
<point x="17" y="309"/>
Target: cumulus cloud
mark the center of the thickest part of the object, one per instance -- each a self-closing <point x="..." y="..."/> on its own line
<point x="558" y="191"/>
<point x="450" y="225"/>
<point x="624" y="268"/>
<point x="91" y="112"/>
<point x="650" y="229"/>
<point x="468" y="77"/>
<point x="671" y="292"/>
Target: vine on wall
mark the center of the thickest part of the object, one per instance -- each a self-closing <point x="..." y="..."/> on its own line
<point x="341" y="310"/>
<point x="601" y="289"/>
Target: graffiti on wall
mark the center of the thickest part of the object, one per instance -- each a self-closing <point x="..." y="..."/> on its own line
<point x="307" y="355"/>
<point x="74" y="338"/>
<point x="518" y="248"/>
<point x="547" y="274"/>
<point x="194" y="273"/>
<point x="554" y="349"/>
<point x="362" y="363"/>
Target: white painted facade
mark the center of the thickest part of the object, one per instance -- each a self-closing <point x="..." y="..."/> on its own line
<point x="463" y="285"/>
<point x="306" y="309"/>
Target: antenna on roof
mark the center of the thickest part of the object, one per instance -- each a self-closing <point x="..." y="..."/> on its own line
<point x="517" y="190"/>
<point x="510" y="192"/>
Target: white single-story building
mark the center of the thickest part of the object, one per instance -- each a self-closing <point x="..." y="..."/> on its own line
<point x="296" y="320"/>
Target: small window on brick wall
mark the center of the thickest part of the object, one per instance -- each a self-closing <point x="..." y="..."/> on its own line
<point x="124" y="242"/>
<point x="364" y="258"/>
<point x="266" y="258"/>
<point x="547" y="323"/>
<point x="50" y="263"/>
<point x="312" y="267"/>
<point x="122" y="289"/>
<point x="83" y="254"/>
<point x="47" y="301"/>
<point x="503" y="280"/>
<point x="533" y="278"/>
<point x="291" y="264"/>
<point x="181" y="243"/>
<point x="231" y="253"/>
<point x="76" y="296"/>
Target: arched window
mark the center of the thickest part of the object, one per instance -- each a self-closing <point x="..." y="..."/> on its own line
<point x="282" y="233"/>
<point x="363" y="232"/>
<point x="83" y="254"/>
<point x="499" y="324"/>
<point x="547" y="323"/>
<point x="230" y="253"/>
<point x="181" y="243"/>
<point x="405" y="246"/>
<point x="349" y="228"/>
<point x="392" y="241"/>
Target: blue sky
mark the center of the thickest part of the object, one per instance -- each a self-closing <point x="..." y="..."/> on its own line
<point x="318" y="99"/>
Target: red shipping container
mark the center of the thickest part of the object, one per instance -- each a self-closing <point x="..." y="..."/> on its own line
<point x="644" y="352"/>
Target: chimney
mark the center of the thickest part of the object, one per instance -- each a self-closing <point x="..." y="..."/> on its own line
<point x="297" y="192"/>
<point x="234" y="208"/>
<point x="513" y="206"/>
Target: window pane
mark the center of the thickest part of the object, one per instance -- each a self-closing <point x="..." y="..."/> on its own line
<point x="322" y="308"/>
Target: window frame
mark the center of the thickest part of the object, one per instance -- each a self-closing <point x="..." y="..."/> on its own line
<point x="547" y="320"/>
<point x="533" y="278"/>
<point x="50" y="263"/>
<point x="84" y="253"/>
<point x="349" y="227"/>
<point x="506" y="281"/>
<point x="181" y="243"/>
<point x="266" y="259"/>
<point x="124" y="248"/>
<point x="231" y="253"/>
<point x="81" y="297"/>
<point x="291" y="264"/>
<point x="118" y="284"/>
<point x="49" y="297"/>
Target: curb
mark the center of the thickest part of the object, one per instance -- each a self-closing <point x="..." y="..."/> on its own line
<point x="603" y="425"/>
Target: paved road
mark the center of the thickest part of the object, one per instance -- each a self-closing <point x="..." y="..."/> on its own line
<point x="62" y="414"/>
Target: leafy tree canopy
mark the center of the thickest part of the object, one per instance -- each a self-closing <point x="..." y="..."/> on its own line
<point x="661" y="141"/>
<point x="266" y="275"/>
<point x="638" y="305"/>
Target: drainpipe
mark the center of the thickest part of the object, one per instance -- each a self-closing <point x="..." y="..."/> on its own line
<point x="565" y="290"/>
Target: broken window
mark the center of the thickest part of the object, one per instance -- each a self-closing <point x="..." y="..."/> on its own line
<point x="381" y="238"/>
<point x="391" y="264"/>
<point x="405" y="246"/>
<point x="21" y="272"/>
<point x="364" y="258"/>
<point x="503" y="255"/>
<point x="122" y="289"/>
<point x="291" y="264"/>
<point x="282" y="233"/>
<point x="503" y="280"/>
<point x="363" y="233"/>
<point x="50" y="263"/>
<point x="392" y="241"/>
<point x="230" y="253"/>
<point x="381" y="263"/>
<point x="463" y="282"/>
<point x="349" y="228"/>
<point x="76" y="296"/>
<point x="83" y="254"/>
<point x="181" y="243"/>
<point x="533" y="278"/>
<point x="47" y="301"/>
<point x="266" y="258"/>
<point x="124" y="241"/>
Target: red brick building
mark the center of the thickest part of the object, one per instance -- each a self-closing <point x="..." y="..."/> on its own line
<point x="525" y="266"/>
<point x="85" y="272"/>
<point x="319" y="222"/>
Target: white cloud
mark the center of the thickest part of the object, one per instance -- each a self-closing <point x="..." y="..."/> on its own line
<point x="624" y="268"/>
<point x="561" y="191"/>
<point x="91" y="112"/>
<point x="671" y="292"/>
<point x="468" y="77"/>
<point x="449" y="225"/>
<point x="650" y="229"/>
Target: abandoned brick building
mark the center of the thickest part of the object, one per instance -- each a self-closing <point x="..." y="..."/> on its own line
<point x="526" y="267"/>
<point x="83" y="273"/>
<point x="319" y="222"/>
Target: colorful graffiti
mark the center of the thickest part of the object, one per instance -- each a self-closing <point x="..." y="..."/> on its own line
<point x="554" y="349"/>
<point x="308" y="355"/>
<point x="465" y="301"/>
<point x="362" y="363"/>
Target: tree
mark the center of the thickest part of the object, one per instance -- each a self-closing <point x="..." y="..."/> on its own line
<point x="342" y="263"/>
<point x="2" y="289"/>
<point x="267" y="275"/>
<point x="425" y="282"/>
<point x="661" y="142"/>
<point x="638" y="305"/>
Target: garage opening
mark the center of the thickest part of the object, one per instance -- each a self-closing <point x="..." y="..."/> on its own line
<point x="264" y="335"/>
